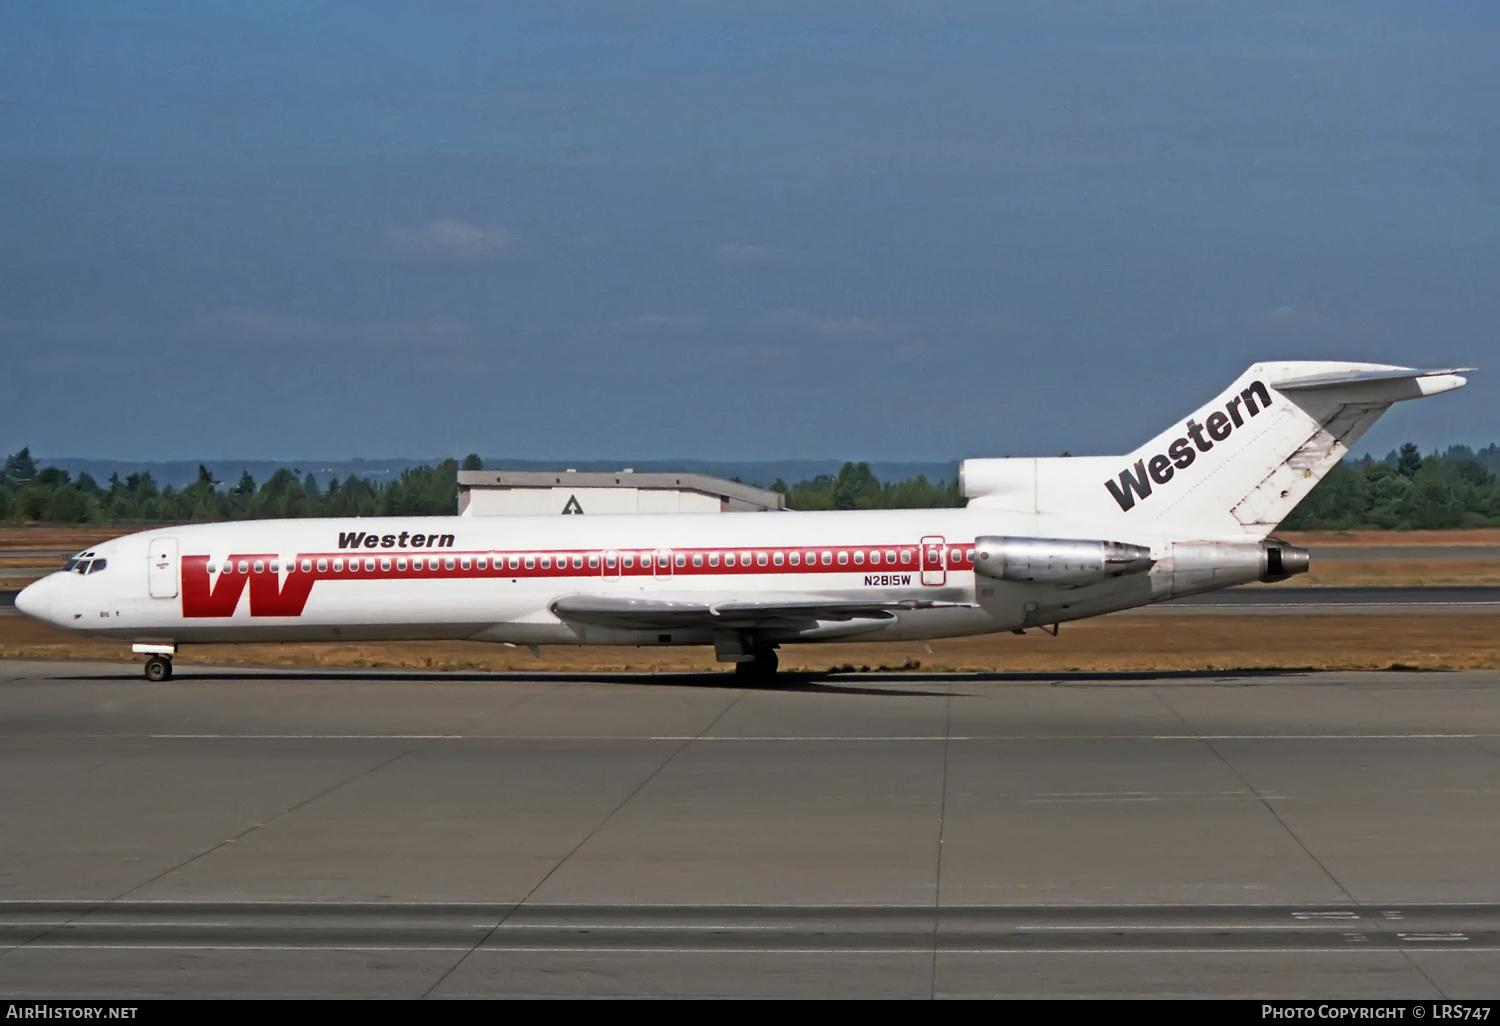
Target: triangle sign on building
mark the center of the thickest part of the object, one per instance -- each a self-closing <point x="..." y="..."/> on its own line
<point x="572" y="506"/>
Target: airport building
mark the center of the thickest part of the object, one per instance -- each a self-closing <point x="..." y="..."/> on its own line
<point x="483" y="493"/>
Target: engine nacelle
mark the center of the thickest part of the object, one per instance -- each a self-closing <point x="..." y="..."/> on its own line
<point x="1204" y="566"/>
<point x="1058" y="560"/>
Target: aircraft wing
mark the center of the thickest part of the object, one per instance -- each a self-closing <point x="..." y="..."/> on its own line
<point x="648" y="614"/>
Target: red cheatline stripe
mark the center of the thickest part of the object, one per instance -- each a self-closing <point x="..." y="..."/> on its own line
<point x="589" y="563"/>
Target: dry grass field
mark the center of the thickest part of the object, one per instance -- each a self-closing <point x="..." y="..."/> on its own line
<point x="1118" y="642"/>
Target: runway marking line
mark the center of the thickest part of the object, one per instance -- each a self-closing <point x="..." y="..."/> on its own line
<point x="925" y="951"/>
<point x="864" y="739"/>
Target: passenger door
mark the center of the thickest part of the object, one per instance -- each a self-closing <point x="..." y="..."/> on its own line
<point x="161" y="572"/>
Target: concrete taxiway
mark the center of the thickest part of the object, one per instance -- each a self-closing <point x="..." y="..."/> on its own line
<point x="366" y="833"/>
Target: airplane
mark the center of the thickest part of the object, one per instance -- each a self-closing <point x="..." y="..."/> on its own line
<point x="1042" y="541"/>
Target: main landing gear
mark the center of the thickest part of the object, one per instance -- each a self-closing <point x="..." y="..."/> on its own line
<point x="159" y="668"/>
<point x="761" y="667"/>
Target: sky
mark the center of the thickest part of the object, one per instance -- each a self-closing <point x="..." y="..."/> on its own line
<point x="654" y="230"/>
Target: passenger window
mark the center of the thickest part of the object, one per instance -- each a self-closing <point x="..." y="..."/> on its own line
<point x="448" y="563"/>
<point x="432" y="563"/>
<point x="531" y="562"/>
<point x="906" y="556"/>
<point x="729" y="559"/>
<point x="627" y="561"/>
<point x="276" y="568"/>
<point x="890" y="557"/>
<point x="697" y="559"/>
<point x="577" y="562"/>
<point x="338" y="566"/>
<point x="483" y="563"/>
<point x="843" y="558"/>
<point x="307" y="566"/>
<point x="466" y="563"/>
<point x="795" y="558"/>
<point x="260" y="566"/>
<point x="680" y="560"/>
<point x="968" y="555"/>
<point x="322" y="566"/>
<point x="400" y="564"/>
<point x="859" y="558"/>
<point x="593" y="561"/>
<point x="73" y="562"/>
<point x="370" y="566"/>
<point x="955" y="556"/>
<point x="385" y="562"/>
<point x="875" y="557"/>
<point x="713" y="559"/>
<point x="514" y="562"/>
<point x="776" y="558"/>
<point x="760" y="559"/>
<point x="827" y="558"/>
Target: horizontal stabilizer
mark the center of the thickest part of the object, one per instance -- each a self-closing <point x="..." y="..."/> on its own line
<point x="1353" y="377"/>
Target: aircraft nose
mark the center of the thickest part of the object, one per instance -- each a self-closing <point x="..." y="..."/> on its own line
<point x="35" y="600"/>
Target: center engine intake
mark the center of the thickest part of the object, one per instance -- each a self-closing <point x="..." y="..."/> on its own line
<point x="1067" y="561"/>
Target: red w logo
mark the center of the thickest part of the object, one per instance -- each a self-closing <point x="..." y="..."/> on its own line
<point x="202" y="597"/>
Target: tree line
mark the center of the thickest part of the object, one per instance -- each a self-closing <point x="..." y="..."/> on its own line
<point x="1459" y="487"/>
<point x="50" y="495"/>
<point x="1406" y="491"/>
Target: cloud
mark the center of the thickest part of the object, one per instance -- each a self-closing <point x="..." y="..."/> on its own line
<point x="828" y="327"/>
<point x="662" y="322"/>
<point x="742" y="254"/>
<point x="248" y="326"/>
<point x="449" y="242"/>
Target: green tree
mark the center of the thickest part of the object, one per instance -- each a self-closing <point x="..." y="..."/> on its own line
<point x="20" y="468"/>
<point x="67" y="506"/>
<point x="472" y="462"/>
<point x="1409" y="461"/>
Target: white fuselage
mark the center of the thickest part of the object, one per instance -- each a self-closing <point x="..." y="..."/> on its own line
<point x="496" y="578"/>
<point x="1057" y="539"/>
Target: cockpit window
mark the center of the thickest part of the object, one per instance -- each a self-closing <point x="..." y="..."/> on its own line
<point x="81" y="564"/>
<point x="70" y="564"/>
<point x="97" y="565"/>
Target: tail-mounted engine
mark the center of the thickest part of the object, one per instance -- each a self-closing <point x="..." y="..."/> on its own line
<point x="1204" y="566"/>
<point x="1065" y="561"/>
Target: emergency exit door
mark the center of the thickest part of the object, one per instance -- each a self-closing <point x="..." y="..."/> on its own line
<point x="934" y="561"/>
<point x="162" y="571"/>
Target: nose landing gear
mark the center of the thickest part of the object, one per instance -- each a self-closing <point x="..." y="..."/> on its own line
<point x="158" y="669"/>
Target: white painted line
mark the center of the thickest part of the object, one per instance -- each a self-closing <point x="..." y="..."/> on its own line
<point x="927" y="950"/>
<point x="820" y="738"/>
<point x="1325" y="915"/>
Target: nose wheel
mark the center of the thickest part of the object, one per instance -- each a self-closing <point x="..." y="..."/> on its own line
<point x="158" y="669"/>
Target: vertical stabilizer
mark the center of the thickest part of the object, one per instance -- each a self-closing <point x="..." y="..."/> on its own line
<point x="1244" y="461"/>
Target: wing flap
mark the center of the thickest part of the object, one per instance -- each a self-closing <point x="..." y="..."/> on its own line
<point x="648" y="614"/>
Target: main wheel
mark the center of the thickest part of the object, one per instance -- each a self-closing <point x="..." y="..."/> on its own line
<point x="762" y="667"/>
<point x="158" y="669"/>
